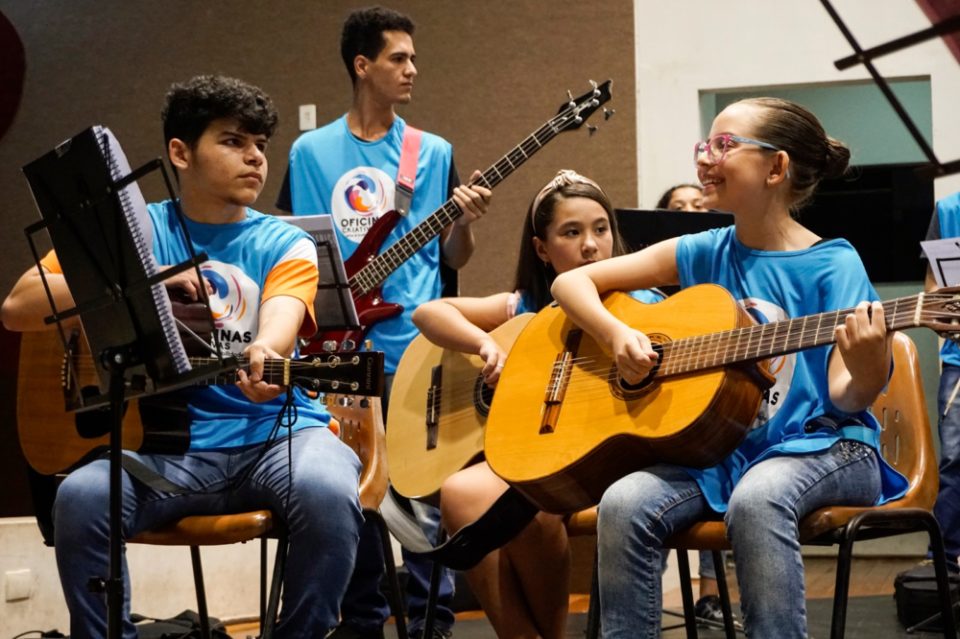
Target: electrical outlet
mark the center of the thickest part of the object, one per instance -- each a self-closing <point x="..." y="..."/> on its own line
<point x="308" y="117"/>
<point x="18" y="584"/>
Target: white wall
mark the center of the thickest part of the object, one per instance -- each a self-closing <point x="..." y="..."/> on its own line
<point x="687" y="46"/>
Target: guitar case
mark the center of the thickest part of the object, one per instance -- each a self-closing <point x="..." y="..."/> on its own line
<point x="915" y="591"/>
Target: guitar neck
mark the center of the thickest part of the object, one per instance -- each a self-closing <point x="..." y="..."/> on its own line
<point x="275" y="370"/>
<point x="764" y="341"/>
<point x="377" y="270"/>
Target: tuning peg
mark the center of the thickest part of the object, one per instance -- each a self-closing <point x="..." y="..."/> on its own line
<point x="596" y="91"/>
<point x="592" y="129"/>
<point x="608" y="113"/>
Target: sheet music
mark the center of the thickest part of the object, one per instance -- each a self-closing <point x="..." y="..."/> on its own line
<point x="141" y="229"/>
<point x="334" y="305"/>
<point x="944" y="258"/>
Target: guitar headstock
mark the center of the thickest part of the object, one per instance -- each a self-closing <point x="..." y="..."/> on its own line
<point x="576" y="111"/>
<point x="941" y="312"/>
<point x="354" y="372"/>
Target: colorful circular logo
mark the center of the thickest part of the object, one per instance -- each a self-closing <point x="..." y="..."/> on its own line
<point x="227" y="302"/>
<point x="360" y="197"/>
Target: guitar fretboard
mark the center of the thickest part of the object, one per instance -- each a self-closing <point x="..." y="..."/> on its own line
<point x="371" y="275"/>
<point x="763" y="341"/>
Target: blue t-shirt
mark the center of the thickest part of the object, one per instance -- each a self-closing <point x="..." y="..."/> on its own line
<point x="332" y="171"/>
<point x="248" y="262"/>
<point x="946" y="223"/>
<point x="774" y="286"/>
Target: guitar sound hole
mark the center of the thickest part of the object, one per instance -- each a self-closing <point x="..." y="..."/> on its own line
<point x="482" y="396"/>
<point x="625" y="390"/>
<point x="95" y="422"/>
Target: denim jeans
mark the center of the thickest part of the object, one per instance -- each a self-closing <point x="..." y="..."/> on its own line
<point x="640" y="511"/>
<point x="364" y="606"/>
<point x="947" y="509"/>
<point x="323" y="522"/>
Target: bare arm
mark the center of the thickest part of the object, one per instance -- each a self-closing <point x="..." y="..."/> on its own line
<point x="27" y="304"/>
<point x="463" y="323"/>
<point x="860" y="363"/>
<point x="280" y="319"/>
<point x="578" y="293"/>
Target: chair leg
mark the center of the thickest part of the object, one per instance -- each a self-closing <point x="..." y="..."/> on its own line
<point x="842" y="586"/>
<point x="201" y="592"/>
<point x="390" y="564"/>
<point x="593" y="612"/>
<point x="263" y="578"/>
<point x="686" y="591"/>
<point x="943" y="583"/>
<point x="721" y="574"/>
<point x="269" y="621"/>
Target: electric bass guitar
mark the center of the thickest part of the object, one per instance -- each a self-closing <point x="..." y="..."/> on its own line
<point x="564" y="425"/>
<point x="367" y="268"/>
<point x="438" y="410"/>
<point x="55" y="439"/>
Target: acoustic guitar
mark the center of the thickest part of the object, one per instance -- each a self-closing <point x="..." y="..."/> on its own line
<point x="564" y="426"/>
<point x="54" y="438"/>
<point x="367" y="267"/>
<point x="438" y="410"/>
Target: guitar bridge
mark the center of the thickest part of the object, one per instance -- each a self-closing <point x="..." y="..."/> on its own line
<point x="433" y="406"/>
<point x="559" y="380"/>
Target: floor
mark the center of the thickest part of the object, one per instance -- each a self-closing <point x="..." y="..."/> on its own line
<point x="871" y="614"/>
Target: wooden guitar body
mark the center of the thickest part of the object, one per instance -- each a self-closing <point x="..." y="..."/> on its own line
<point x="563" y="428"/>
<point x="438" y="411"/>
<point x="54" y="440"/>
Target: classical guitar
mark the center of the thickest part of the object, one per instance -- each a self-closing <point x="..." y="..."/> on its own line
<point x="563" y="425"/>
<point x="367" y="268"/>
<point x="55" y="439"/>
<point x="438" y="410"/>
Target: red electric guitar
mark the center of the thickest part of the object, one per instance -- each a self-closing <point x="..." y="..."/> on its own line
<point x="367" y="268"/>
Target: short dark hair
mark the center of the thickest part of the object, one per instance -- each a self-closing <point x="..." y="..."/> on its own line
<point x="191" y="106"/>
<point x="363" y="33"/>
<point x="664" y="201"/>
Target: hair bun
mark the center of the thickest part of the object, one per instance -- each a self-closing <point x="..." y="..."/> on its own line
<point x="836" y="160"/>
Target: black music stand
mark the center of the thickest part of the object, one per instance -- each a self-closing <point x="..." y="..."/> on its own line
<point x="333" y="307"/>
<point x="96" y="219"/>
<point x="866" y="57"/>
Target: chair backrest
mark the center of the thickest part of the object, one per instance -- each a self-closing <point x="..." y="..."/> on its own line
<point x="361" y="428"/>
<point x="906" y="441"/>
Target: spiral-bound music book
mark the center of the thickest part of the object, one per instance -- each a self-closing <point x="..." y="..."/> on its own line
<point x="100" y="229"/>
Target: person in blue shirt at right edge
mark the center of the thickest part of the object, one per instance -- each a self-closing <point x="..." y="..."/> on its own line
<point x="814" y="442"/>
<point x="946" y="223"/>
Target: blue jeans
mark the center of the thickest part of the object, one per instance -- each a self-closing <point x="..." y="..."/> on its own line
<point x="947" y="509"/>
<point x="364" y="606"/>
<point x="323" y="522"/>
<point x="640" y="511"/>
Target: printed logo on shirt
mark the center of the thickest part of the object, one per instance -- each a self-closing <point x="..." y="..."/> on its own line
<point x="360" y="197"/>
<point x="781" y="367"/>
<point x="233" y="304"/>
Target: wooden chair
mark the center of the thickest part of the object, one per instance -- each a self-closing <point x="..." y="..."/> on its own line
<point x="360" y="425"/>
<point x="906" y="443"/>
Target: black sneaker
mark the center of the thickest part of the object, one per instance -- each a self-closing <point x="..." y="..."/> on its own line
<point x="709" y="613"/>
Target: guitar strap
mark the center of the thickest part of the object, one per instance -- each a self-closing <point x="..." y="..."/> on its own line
<point x="502" y="522"/>
<point x="407" y="172"/>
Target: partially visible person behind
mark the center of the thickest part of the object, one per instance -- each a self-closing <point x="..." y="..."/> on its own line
<point x="349" y="168"/>
<point x="814" y="442"/>
<point x="216" y="131"/>
<point x="683" y="197"/>
<point x="945" y="223"/>
<point x="523" y="586"/>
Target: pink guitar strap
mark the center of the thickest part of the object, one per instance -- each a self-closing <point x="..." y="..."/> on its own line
<point x="407" y="173"/>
